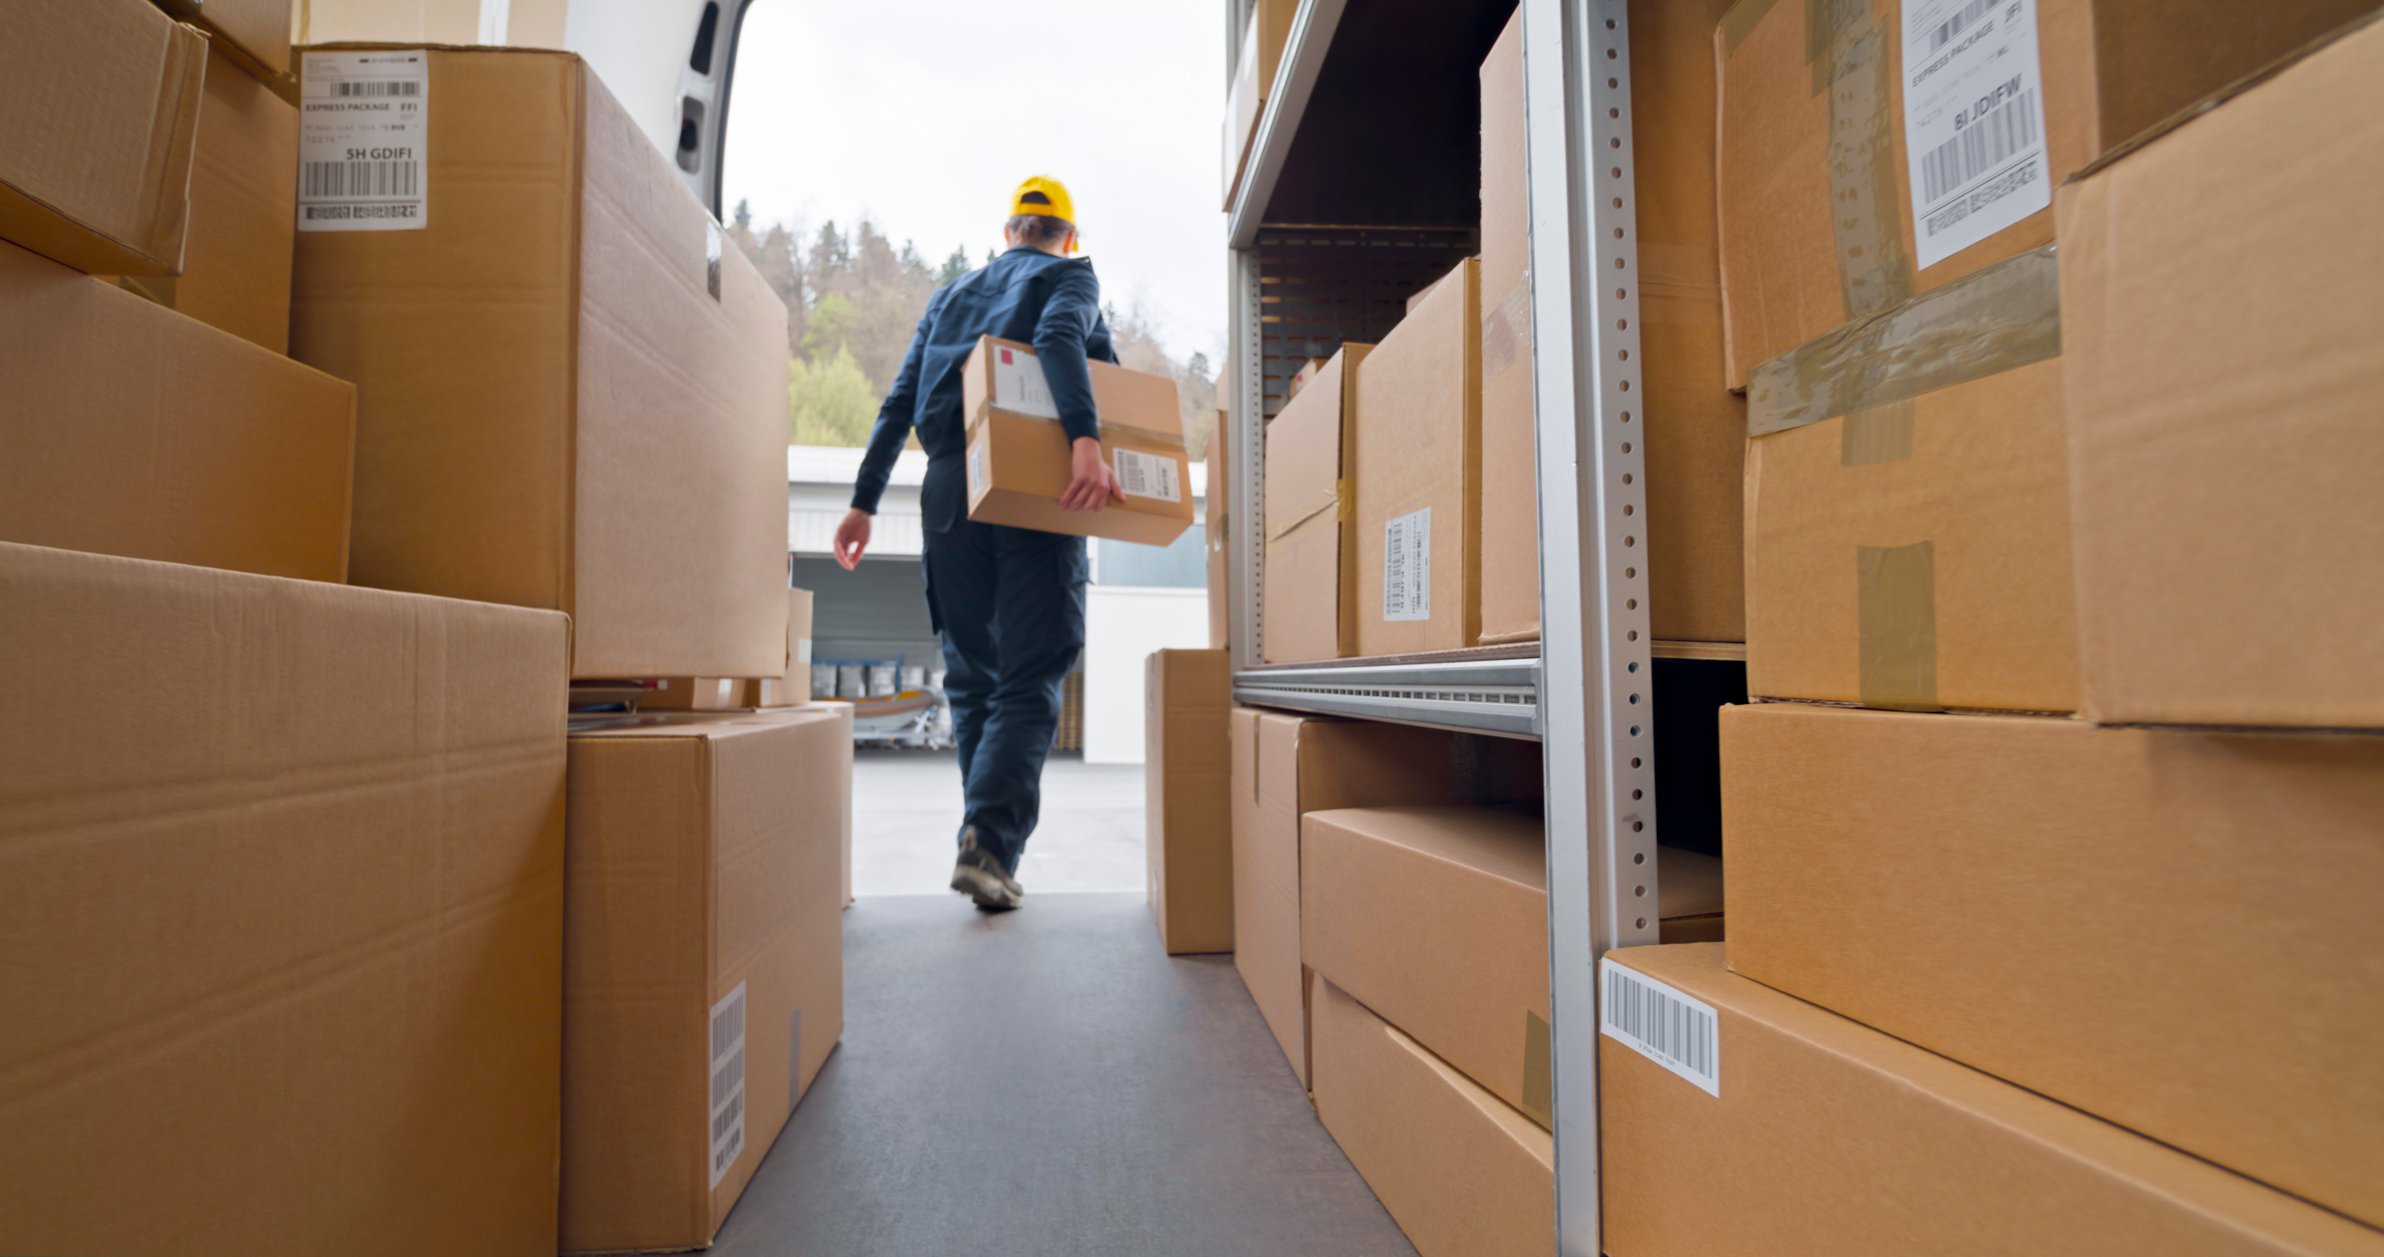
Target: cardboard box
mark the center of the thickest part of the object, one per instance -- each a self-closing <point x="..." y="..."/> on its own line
<point x="1914" y="553"/>
<point x="1263" y="40"/>
<point x="703" y="979"/>
<point x="1188" y="830"/>
<point x="572" y="393"/>
<point x="1437" y="919"/>
<point x="1833" y="1138"/>
<point x="1311" y="564"/>
<point x="1419" y="477"/>
<point x="103" y="99"/>
<point x="1811" y="241"/>
<point x="133" y="430"/>
<point x="793" y="689"/>
<point x="2212" y="978"/>
<point x="1285" y="765"/>
<point x="243" y="212"/>
<point x="520" y="23"/>
<point x="1696" y="434"/>
<point x="281" y="892"/>
<point x="1018" y="458"/>
<point x="255" y="33"/>
<point x="2222" y="384"/>
<point x="1461" y="1173"/>
<point x="1510" y="454"/>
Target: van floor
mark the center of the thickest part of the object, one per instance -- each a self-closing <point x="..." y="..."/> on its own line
<point x="1047" y="1082"/>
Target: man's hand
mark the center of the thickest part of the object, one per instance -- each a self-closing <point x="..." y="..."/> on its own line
<point x="852" y="537"/>
<point x="1093" y="484"/>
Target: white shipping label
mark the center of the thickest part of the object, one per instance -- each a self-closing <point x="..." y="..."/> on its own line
<point x="364" y="141"/>
<point x="803" y="650"/>
<point x="1679" y="1032"/>
<point x="728" y="1082"/>
<point x="1974" y="121"/>
<point x="1019" y="386"/>
<point x="1143" y="475"/>
<point x="979" y="475"/>
<point x="1407" y="567"/>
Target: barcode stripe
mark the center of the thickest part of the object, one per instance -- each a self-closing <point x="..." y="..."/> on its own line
<point x="328" y="179"/>
<point x="1959" y="22"/>
<point x="1988" y="142"/>
<point x="397" y="87"/>
<point x="1673" y="1030"/>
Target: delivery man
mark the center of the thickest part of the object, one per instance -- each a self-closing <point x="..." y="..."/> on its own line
<point x="1008" y="602"/>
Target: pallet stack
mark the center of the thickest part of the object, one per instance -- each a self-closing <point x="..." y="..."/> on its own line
<point x="361" y="399"/>
<point x="2049" y="847"/>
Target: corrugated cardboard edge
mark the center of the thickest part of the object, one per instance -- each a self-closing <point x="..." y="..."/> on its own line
<point x="2152" y="134"/>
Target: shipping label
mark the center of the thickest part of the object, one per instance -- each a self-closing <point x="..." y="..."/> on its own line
<point x="728" y="1082"/>
<point x="1019" y="386"/>
<point x="1677" y="1031"/>
<point x="979" y="473"/>
<point x="364" y="141"/>
<point x="1407" y="567"/>
<point x="1153" y="476"/>
<point x="1974" y="121"/>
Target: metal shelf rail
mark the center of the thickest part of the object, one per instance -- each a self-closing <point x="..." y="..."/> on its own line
<point x="1586" y="696"/>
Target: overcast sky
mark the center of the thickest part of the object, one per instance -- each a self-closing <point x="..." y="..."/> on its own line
<point x="924" y="114"/>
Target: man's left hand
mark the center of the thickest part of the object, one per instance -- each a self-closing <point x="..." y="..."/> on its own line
<point x="1093" y="485"/>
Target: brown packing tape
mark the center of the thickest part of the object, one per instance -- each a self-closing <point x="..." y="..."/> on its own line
<point x="1317" y="504"/>
<point x="1882" y="434"/>
<point x="1898" y="596"/>
<point x="1166" y="442"/>
<point x="1539" y="1095"/>
<point x="1506" y="330"/>
<point x="1740" y="21"/>
<point x="1874" y="272"/>
<point x="2006" y="316"/>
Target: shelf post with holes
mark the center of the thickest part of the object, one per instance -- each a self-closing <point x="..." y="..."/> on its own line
<point x="1296" y="288"/>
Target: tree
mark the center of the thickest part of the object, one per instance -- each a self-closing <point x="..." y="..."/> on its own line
<point x="954" y="266"/>
<point x="830" y="403"/>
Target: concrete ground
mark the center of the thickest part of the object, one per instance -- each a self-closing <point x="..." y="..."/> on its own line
<point x="906" y="811"/>
<point x="1047" y="1083"/>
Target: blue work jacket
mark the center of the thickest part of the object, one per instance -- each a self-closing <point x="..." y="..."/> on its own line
<point x="1026" y="295"/>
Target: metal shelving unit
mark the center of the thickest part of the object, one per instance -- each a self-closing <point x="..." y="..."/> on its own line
<point x="1584" y="693"/>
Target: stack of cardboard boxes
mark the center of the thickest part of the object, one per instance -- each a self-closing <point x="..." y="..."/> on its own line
<point x="2047" y="872"/>
<point x="1400" y="494"/>
<point x="344" y="434"/>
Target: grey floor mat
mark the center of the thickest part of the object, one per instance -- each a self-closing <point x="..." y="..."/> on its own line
<point x="1048" y="1083"/>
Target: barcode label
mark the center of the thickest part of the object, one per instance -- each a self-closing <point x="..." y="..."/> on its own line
<point x="1990" y="141"/>
<point x="1962" y="20"/>
<point x="1143" y="475"/>
<point x="364" y="141"/>
<point x="1676" y="1031"/>
<point x="1407" y="567"/>
<point x="979" y="476"/>
<point x="395" y="87"/>
<point x="1974" y="121"/>
<point x="329" y="180"/>
<point x="728" y="1082"/>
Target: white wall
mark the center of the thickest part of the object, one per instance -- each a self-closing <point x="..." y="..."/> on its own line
<point x="1122" y="626"/>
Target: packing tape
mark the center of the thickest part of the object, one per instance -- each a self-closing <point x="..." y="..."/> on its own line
<point x="1506" y="330"/>
<point x="2004" y="317"/>
<point x="1317" y="503"/>
<point x="1539" y="1096"/>
<point x="1898" y="598"/>
<point x="1163" y="442"/>
<point x="1874" y="272"/>
<point x="1882" y="434"/>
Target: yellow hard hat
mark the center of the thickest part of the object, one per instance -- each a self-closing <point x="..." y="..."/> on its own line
<point x="1045" y="197"/>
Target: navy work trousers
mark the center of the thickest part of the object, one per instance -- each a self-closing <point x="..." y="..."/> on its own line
<point x="1009" y="605"/>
